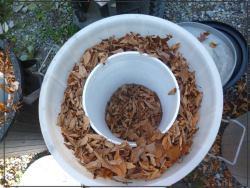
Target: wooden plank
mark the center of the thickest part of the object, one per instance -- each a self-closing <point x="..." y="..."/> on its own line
<point x="21" y="143"/>
<point x="25" y="135"/>
<point x="19" y="151"/>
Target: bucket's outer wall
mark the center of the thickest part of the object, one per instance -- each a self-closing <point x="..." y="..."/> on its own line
<point x="207" y="78"/>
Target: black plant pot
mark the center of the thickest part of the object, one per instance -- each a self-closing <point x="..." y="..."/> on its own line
<point x="28" y="83"/>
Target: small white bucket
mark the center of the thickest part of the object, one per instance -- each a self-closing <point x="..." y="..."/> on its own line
<point x="129" y="68"/>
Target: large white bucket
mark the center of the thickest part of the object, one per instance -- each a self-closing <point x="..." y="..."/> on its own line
<point x="200" y="61"/>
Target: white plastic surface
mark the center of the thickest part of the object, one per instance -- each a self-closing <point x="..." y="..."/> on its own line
<point x="224" y="55"/>
<point x="129" y="68"/>
<point x="200" y="61"/>
<point x="46" y="172"/>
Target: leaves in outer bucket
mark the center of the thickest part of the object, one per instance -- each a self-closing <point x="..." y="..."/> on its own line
<point x="155" y="152"/>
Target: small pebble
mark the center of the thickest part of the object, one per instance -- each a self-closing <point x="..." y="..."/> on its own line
<point x="217" y="176"/>
<point x="11" y="24"/>
<point x="57" y="5"/>
<point x="1" y="29"/>
<point x="17" y="8"/>
<point x="210" y="13"/>
<point x="5" y="27"/>
<point x="24" y="9"/>
<point x="23" y="57"/>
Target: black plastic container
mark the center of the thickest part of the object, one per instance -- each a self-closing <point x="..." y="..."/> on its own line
<point x="10" y="116"/>
<point x="241" y="49"/>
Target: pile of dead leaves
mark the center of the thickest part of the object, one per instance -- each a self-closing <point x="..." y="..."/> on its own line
<point x="236" y="102"/>
<point x="9" y="86"/>
<point x="133" y="111"/>
<point x="6" y="68"/>
<point x="151" y="157"/>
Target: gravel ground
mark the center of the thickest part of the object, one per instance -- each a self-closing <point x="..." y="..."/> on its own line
<point x="14" y="168"/>
<point x="214" y="172"/>
<point x="232" y="13"/>
<point x="33" y="28"/>
<point x="37" y="27"/>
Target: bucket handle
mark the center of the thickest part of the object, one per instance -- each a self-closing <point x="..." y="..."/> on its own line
<point x="235" y="122"/>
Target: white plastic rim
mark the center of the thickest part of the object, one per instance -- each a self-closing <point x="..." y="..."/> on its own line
<point x="55" y="81"/>
<point x="129" y="68"/>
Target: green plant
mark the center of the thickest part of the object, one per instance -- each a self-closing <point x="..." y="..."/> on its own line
<point x="13" y="39"/>
<point x="55" y="35"/>
<point x="47" y="5"/>
<point x="40" y="15"/>
<point x="5" y="9"/>
<point x="59" y="35"/>
<point x="71" y="29"/>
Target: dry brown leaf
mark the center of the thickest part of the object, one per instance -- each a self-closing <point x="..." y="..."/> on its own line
<point x="82" y="72"/>
<point x="151" y="148"/>
<point x="136" y="153"/>
<point x="152" y="158"/>
<point x="173" y="153"/>
<point x="86" y="57"/>
<point x="213" y="44"/>
<point x="158" y="150"/>
<point x="172" y="91"/>
<point x="164" y="56"/>
<point x="155" y="174"/>
<point x="94" y="164"/>
<point x="117" y="51"/>
<point x="130" y="165"/>
<point x="175" y="47"/>
<point x="166" y="142"/>
<point x="82" y="141"/>
<point x="195" y="119"/>
<point x="203" y="36"/>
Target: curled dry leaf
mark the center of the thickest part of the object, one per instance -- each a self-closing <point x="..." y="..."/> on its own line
<point x="203" y="36"/>
<point x="175" y="47"/>
<point x="136" y="153"/>
<point x="155" y="152"/>
<point x="130" y="165"/>
<point x="172" y="91"/>
<point x="236" y="102"/>
<point x="213" y="44"/>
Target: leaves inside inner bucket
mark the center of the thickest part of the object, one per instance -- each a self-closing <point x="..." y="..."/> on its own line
<point x="133" y="111"/>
